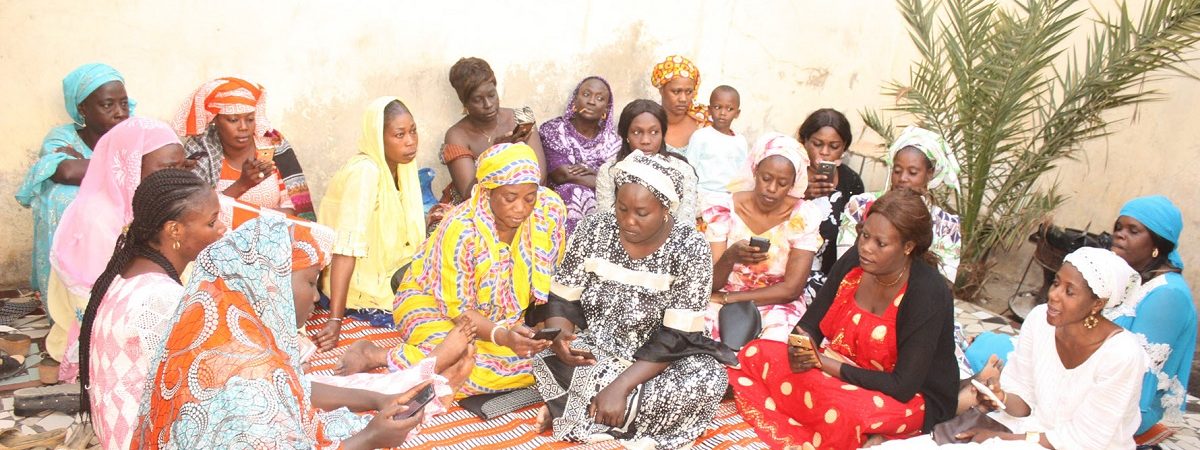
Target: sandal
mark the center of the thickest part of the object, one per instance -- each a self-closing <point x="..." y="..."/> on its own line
<point x="10" y="365"/>
<point x="12" y="439"/>
<point x="63" y="398"/>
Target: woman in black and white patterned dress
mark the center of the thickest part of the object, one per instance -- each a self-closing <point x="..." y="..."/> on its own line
<point x="633" y="361"/>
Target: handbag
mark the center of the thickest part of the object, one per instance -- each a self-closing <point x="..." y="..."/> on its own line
<point x="945" y="432"/>
<point x="739" y="323"/>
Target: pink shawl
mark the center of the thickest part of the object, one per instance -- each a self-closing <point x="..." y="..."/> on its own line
<point x="84" y="241"/>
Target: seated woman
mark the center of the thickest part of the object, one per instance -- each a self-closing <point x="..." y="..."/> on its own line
<point x="885" y="321"/>
<point x="483" y="125"/>
<point x="577" y="143"/>
<point x="1160" y="314"/>
<point x="826" y="135"/>
<point x="224" y="123"/>
<point x="236" y="328"/>
<point x="488" y="261"/>
<point x="769" y="204"/>
<point x="642" y="127"/>
<point x="96" y="101"/>
<point x="629" y="286"/>
<point x="1074" y="380"/>
<point x="127" y="154"/>
<point x="920" y="160"/>
<point x="678" y="81"/>
<point x="175" y="215"/>
<point x="374" y="203"/>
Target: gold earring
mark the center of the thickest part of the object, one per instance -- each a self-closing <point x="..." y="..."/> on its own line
<point x="1091" y="321"/>
<point x="175" y="245"/>
<point x="1154" y="254"/>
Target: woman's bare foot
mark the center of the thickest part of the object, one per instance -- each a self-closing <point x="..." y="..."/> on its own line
<point x="454" y="346"/>
<point x="544" y="421"/>
<point x="456" y="375"/>
<point x="362" y="356"/>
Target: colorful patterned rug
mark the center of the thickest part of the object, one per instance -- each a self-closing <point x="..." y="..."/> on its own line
<point x="460" y="429"/>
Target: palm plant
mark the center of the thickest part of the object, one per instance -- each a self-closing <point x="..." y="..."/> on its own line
<point x="1014" y="99"/>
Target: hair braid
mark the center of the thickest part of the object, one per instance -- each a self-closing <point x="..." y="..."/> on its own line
<point x="163" y="196"/>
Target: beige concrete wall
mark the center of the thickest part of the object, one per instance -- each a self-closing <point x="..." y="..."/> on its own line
<point x="323" y="61"/>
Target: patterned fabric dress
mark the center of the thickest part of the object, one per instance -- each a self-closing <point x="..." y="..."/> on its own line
<point x="947" y="234"/>
<point x="624" y="301"/>
<point x="800" y="232"/>
<point x="815" y="409"/>
<point x="229" y="375"/>
<point x="565" y="146"/>
<point x="130" y="329"/>
<point x="464" y="266"/>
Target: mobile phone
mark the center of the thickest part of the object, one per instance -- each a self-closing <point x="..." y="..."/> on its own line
<point x="804" y="343"/>
<point x="197" y="156"/>
<point x="264" y="153"/>
<point x="522" y="128"/>
<point x="584" y="353"/>
<point x="761" y="243"/>
<point x="988" y="392"/>
<point x="546" y="334"/>
<point x="418" y="403"/>
<point x="826" y="168"/>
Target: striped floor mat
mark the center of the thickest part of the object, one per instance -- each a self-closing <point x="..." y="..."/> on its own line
<point x="460" y="429"/>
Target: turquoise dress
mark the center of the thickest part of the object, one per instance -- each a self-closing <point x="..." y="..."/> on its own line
<point x="1164" y="322"/>
<point x="47" y="198"/>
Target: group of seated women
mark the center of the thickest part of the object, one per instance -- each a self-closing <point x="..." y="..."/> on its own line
<point x="630" y="270"/>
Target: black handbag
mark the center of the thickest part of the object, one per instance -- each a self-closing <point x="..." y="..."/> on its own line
<point x="739" y="323"/>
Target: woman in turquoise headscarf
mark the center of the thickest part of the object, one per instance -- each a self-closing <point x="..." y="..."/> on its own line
<point x="1161" y="314"/>
<point x="95" y="98"/>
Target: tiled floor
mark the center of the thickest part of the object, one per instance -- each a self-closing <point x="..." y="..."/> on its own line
<point x="974" y="319"/>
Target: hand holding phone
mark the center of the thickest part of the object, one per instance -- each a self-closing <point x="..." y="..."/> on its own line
<point x="418" y="403"/>
<point x="761" y="243"/>
<point x="805" y="345"/>
<point x="264" y="153"/>
<point x="826" y="168"/>
<point x="546" y="334"/>
<point x="991" y="395"/>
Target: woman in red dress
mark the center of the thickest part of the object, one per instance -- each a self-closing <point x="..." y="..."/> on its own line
<point x="884" y="327"/>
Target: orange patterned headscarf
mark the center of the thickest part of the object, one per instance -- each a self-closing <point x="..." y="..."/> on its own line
<point x="678" y="66"/>
<point x="311" y="245"/>
<point x="227" y="95"/>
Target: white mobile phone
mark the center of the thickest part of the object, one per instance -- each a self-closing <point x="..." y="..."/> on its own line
<point x="988" y="392"/>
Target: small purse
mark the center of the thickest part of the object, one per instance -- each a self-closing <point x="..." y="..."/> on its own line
<point x="739" y="323"/>
<point x="945" y="432"/>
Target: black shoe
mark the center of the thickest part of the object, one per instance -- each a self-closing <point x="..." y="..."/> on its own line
<point x="10" y="366"/>
<point x="63" y="398"/>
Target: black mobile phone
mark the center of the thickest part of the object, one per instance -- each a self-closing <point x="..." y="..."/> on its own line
<point x="584" y="353"/>
<point x="761" y="243"/>
<point x="197" y="156"/>
<point x="417" y="403"/>
<point x="522" y="129"/>
<point x="546" y="334"/>
<point x="826" y="168"/>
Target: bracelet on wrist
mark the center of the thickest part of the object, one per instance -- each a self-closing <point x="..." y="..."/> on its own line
<point x="336" y="319"/>
<point x="496" y="328"/>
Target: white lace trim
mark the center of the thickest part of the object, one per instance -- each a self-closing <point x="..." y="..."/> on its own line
<point x="1128" y="308"/>
<point x="1174" y="394"/>
<point x="1158" y="353"/>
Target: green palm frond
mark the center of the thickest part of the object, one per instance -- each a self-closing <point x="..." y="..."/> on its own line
<point x="1013" y="99"/>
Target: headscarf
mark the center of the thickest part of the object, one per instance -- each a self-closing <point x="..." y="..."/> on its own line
<point x="678" y="66"/>
<point x="232" y="356"/>
<point x="778" y="144"/>
<point x="506" y="165"/>
<point x="404" y="201"/>
<point x="227" y="95"/>
<point x="609" y="123"/>
<point x="653" y="172"/>
<point x="1160" y="216"/>
<point x="934" y="147"/>
<point x="91" y="224"/>
<point x="82" y="82"/>
<point x="1107" y="274"/>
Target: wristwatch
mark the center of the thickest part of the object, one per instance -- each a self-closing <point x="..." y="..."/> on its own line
<point x="1033" y="437"/>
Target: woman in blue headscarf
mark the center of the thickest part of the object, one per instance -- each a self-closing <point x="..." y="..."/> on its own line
<point x="94" y="96"/>
<point x="1161" y="314"/>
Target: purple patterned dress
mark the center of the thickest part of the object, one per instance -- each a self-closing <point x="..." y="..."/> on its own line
<point x="565" y="146"/>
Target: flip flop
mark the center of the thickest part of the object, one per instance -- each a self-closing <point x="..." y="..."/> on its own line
<point x="10" y="365"/>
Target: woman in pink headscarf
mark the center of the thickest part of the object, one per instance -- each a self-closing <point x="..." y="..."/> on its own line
<point x="770" y="205"/>
<point x="85" y="238"/>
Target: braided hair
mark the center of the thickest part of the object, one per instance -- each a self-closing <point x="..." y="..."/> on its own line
<point x="164" y="195"/>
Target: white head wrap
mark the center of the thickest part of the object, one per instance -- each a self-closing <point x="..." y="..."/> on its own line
<point x="1107" y="274"/>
